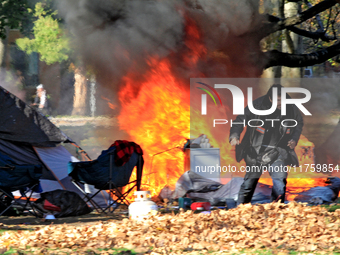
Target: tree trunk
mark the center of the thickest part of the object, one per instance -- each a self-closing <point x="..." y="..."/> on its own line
<point x="92" y="97"/>
<point x="65" y="104"/>
<point x="2" y="53"/>
<point x="3" y="49"/>
<point x="80" y="92"/>
<point x="274" y="72"/>
<point x="292" y="42"/>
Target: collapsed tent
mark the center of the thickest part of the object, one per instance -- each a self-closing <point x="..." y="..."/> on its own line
<point x="28" y="137"/>
<point x="197" y="187"/>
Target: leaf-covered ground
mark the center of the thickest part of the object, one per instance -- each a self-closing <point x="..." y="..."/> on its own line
<point x="287" y="227"/>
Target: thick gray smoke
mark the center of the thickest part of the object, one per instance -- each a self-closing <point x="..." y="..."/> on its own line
<point x="116" y="36"/>
<point x="11" y="82"/>
<point x="325" y="95"/>
<point x="119" y="36"/>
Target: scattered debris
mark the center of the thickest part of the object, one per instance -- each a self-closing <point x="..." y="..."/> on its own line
<point x="321" y="195"/>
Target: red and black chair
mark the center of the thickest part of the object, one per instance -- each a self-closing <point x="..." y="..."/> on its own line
<point x="109" y="173"/>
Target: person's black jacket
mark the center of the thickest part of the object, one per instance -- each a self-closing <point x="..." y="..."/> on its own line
<point x="248" y="149"/>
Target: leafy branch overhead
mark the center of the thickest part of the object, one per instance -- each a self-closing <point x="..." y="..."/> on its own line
<point x="49" y="39"/>
<point x="12" y="13"/>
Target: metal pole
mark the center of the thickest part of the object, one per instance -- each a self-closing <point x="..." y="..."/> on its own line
<point x="110" y="184"/>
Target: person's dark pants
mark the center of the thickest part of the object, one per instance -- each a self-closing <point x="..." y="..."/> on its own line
<point x="251" y="178"/>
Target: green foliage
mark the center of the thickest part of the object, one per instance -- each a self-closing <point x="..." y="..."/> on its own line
<point x="332" y="208"/>
<point x="334" y="62"/>
<point x="49" y="38"/>
<point x="12" y="12"/>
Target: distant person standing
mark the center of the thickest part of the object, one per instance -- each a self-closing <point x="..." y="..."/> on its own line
<point x="41" y="101"/>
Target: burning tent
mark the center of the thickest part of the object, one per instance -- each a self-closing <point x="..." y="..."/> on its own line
<point x="28" y="137"/>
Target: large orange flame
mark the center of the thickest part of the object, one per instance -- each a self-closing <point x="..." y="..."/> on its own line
<point x="156" y="115"/>
<point x="157" y="119"/>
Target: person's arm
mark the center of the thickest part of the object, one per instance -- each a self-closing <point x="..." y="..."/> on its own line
<point x="236" y="129"/>
<point x="297" y="130"/>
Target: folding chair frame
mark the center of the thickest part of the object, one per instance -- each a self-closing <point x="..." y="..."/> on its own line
<point x="15" y="201"/>
<point x="113" y="189"/>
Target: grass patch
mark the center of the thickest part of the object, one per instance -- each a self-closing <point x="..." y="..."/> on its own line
<point x="2" y="231"/>
<point x="331" y="208"/>
<point x="113" y="251"/>
<point x="279" y="252"/>
<point x="125" y="251"/>
<point x="120" y="251"/>
<point x="81" y="117"/>
<point x="11" y="251"/>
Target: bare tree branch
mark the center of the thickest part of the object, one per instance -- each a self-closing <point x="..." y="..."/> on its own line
<point x="289" y="40"/>
<point x="276" y="24"/>
<point x="313" y="35"/>
<point x="333" y="23"/>
<point x="317" y="16"/>
<point x="329" y="18"/>
<point x="277" y="58"/>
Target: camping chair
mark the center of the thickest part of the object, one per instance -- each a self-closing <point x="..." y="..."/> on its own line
<point x="24" y="178"/>
<point x="104" y="174"/>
